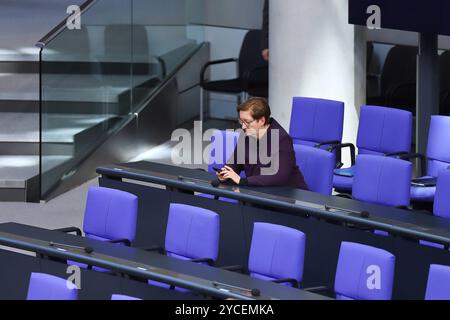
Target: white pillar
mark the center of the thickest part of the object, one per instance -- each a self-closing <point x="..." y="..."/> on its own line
<point x="314" y="52"/>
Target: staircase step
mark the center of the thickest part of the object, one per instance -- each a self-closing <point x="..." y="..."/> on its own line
<point x="20" y="86"/>
<point x="19" y="106"/>
<point x="19" y="178"/>
<point x="16" y="170"/>
<point x="23" y="148"/>
<point x="19" y="67"/>
<point x="19" y="127"/>
<point x="62" y="128"/>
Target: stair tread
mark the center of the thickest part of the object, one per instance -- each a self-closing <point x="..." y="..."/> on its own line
<point x="63" y="128"/>
<point x="16" y="170"/>
<point x="19" y="127"/>
<point x="59" y="128"/>
<point x="19" y="86"/>
<point x="67" y="87"/>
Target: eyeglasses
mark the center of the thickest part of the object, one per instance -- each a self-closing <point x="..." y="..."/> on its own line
<point x="247" y="123"/>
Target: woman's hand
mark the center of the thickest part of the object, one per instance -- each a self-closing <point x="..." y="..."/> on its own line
<point x="228" y="173"/>
<point x="265" y="54"/>
<point x="220" y="176"/>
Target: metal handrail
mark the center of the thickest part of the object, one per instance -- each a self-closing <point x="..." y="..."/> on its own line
<point x="62" y="26"/>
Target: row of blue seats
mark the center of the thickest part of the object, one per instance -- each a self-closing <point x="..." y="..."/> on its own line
<point x="382" y="131"/>
<point x="276" y="254"/>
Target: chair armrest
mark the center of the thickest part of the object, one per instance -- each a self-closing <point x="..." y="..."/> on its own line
<point x="342" y="146"/>
<point x="339" y="164"/>
<point x="124" y="241"/>
<point x="318" y="145"/>
<point x="209" y="261"/>
<point x="210" y="63"/>
<point x="395" y="154"/>
<point x="70" y="230"/>
<point x="291" y="281"/>
<point x="344" y="195"/>
<point x="409" y="156"/>
<point x="158" y="249"/>
<point x="234" y="268"/>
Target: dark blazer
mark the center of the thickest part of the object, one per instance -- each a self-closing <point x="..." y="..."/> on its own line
<point x="265" y="26"/>
<point x="288" y="173"/>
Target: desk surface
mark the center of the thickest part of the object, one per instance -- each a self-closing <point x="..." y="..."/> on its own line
<point x="412" y="224"/>
<point x="144" y="264"/>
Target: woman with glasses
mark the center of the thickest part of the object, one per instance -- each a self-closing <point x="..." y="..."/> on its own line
<point x="264" y="152"/>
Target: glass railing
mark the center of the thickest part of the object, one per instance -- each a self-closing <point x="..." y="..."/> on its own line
<point x="96" y="78"/>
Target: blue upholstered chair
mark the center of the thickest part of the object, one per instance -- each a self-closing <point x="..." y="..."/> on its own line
<point x="382" y="180"/>
<point x="364" y="273"/>
<point x="47" y="287"/>
<point x="110" y="215"/>
<point x="123" y="297"/>
<point x="438" y="285"/>
<point x="192" y="234"/>
<point x="382" y="131"/>
<point x="441" y="205"/>
<point x="316" y="122"/>
<point x="277" y="254"/>
<point x="317" y="167"/>
<point x="437" y="157"/>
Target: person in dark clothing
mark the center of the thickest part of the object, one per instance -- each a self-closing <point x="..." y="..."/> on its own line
<point x="276" y="165"/>
<point x="265" y="32"/>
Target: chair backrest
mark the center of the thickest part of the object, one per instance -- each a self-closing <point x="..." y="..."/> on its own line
<point x="47" y="287"/>
<point x="123" y="297"/>
<point x="316" y="120"/>
<point x="223" y="143"/>
<point x="441" y="206"/>
<point x="384" y="130"/>
<point x="192" y="232"/>
<point x="438" y="149"/>
<point x="382" y="180"/>
<point x="399" y="75"/>
<point x="110" y="214"/>
<point x="250" y="56"/>
<point x="364" y="273"/>
<point x="317" y="168"/>
<point x="276" y="252"/>
<point x="438" y="285"/>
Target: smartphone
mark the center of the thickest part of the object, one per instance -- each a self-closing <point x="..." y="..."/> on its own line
<point x="217" y="169"/>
